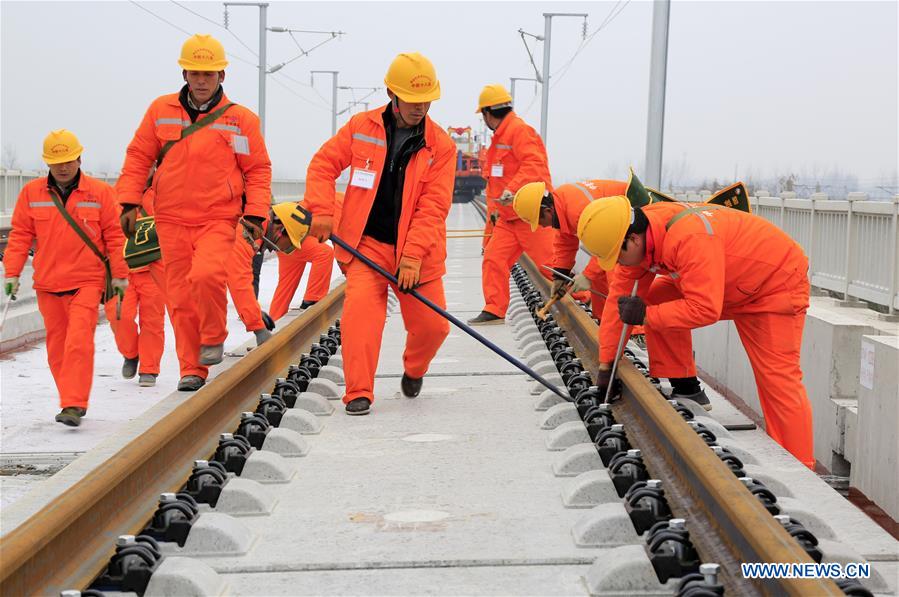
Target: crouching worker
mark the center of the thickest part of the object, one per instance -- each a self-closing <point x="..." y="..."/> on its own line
<point x="77" y="264"/>
<point x="694" y="265"/>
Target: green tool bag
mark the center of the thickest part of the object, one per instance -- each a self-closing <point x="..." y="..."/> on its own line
<point x="142" y="249"/>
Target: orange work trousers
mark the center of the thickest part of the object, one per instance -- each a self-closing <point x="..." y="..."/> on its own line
<point x="509" y="241"/>
<point x="290" y="269"/>
<point x="364" y="314"/>
<point x="488" y="233"/>
<point x="194" y="258"/>
<point x="144" y="303"/>
<point x="240" y="283"/>
<point x="772" y="342"/>
<point x="70" y="321"/>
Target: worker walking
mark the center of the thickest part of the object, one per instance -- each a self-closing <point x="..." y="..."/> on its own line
<point x="394" y="212"/>
<point x="209" y="155"/>
<point x="290" y="270"/>
<point x="695" y="265"/>
<point x="77" y="264"/>
<point x="240" y="284"/>
<point x="516" y="156"/>
<point x="138" y="326"/>
<point x="559" y="210"/>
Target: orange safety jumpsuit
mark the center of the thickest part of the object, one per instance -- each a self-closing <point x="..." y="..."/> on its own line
<point x="69" y="279"/>
<point x="144" y="343"/>
<point x="290" y="269"/>
<point x="427" y="196"/>
<point x="198" y="193"/>
<point x="723" y="264"/>
<point x="569" y="201"/>
<point x="240" y="280"/>
<point x="516" y="156"/>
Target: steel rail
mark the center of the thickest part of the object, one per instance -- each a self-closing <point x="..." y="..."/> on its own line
<point x="728" y="525"/>
<point x="68" y="543"/>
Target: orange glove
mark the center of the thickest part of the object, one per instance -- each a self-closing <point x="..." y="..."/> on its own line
<point x="321" y="227"/>
<point x="408" y="274"/>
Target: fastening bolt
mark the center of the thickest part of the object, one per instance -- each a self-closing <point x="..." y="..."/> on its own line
<point x="124" y="540"/>
<point x="654" y="484"/>
<point x="783" y="519"/>
<point x="165" y="498"/>
<point x="634" y="453"/>
<point x="717" y="450"/>
<point x="617" y="427"/>
<point x="244" y="416"/>
<point x="710" y="572"/>
<point x="201" y="463"/>
<point x="226" y="437"/>
<point x="677" y="524"/>
<point x="747" y="481"/>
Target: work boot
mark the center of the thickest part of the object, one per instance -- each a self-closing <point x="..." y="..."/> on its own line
<point x="191" y="383"/>
<point x="212" y="354"/>
<point x="411" y="386"/>
<point x="129" y="368"/>
<point x="268" y="321"/>
<point x="307" y="304"/>
<point x="486" y="318"/>
<point x="71" y="416"/>
<point x="699" y="398"/>
<point x="262" y="336"/>
<point x="358" y="406"/>
<point x="146" y="380"/>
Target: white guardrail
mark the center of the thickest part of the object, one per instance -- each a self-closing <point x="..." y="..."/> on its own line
<point x="851" y="243"/>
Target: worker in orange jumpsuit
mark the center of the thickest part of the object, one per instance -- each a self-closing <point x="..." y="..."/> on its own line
<point x="693" y="266"/>
<point x="69" y="277"/>
<point x="290" y="271"/>
<point x="197" y="190"/>
<point x="240" y="285"/>
<point x="516" y="156"/>
<point x="140" y="344"/>
<point x="394" y="211"/>
<point x="559" y="210"/>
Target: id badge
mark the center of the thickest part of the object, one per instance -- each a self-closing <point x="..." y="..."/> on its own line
<point x="496" y="170"/>
<point x="241" y="144"/>
<point x="364" y="179"/>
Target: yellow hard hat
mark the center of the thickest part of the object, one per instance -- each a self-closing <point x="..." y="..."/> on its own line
<point x="61" y="146"/>
<point x="527" y="203"/>
<point x="295" y="220"/>
<point x="493" y="95"/>
<point x="203" y="53"/>
<point x="602" y="227"/>
<point x="412" y="78"/>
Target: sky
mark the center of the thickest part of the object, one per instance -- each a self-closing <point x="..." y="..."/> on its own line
<point x="753" y="88"/>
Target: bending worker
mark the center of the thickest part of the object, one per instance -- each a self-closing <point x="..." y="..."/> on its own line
<point x="559" y="210"/>
<point x="696" y="265"/>
<point x="394" y="211"/>
<point x="516" y="156"/>
<point x="74" y="220"/>
<point x="207" y="153"/>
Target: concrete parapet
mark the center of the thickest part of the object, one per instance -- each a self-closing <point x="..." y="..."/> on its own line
<point x="875" y="466"/>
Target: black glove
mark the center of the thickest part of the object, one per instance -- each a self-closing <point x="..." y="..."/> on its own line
<point x="493" y="217"/>
<point x="603" y="379"/>
<point x="631" y="310"/>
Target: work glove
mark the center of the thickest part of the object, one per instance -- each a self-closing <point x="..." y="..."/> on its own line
<point x="252" y="229"/>
<point x="118" y="286"/>
<point x="321" y="227"/>
<point x="408" y="274"/>
<point x="128" y="220"/>
<point x="494" y="216"/>
<point x="12" y="286"/>
<point x="631" y="310"/>
<point x="603" y="379"/>
<point x="560" y="287"/>
<point x="581" y="283"/>
<point x="507" y="197"/>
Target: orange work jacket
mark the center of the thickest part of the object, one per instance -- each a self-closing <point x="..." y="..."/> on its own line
<point x="724" y="261"/>
<point x="518" y="151"/>
<point x="427" y="189"/>
<point x="569" y="201"/>
<point x="203" y="176"/>
<point x="62" y="261"/>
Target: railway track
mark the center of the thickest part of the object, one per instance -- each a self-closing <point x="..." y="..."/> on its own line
<point x="655" y="455"/>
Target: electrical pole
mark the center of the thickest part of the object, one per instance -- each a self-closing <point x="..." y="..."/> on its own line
<point x="512" y="85"/>
<point x="263" y="15"/>
<point x="658" y="69"/>
<point x="547" y="33"/>
<point x="333" y="74"/>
